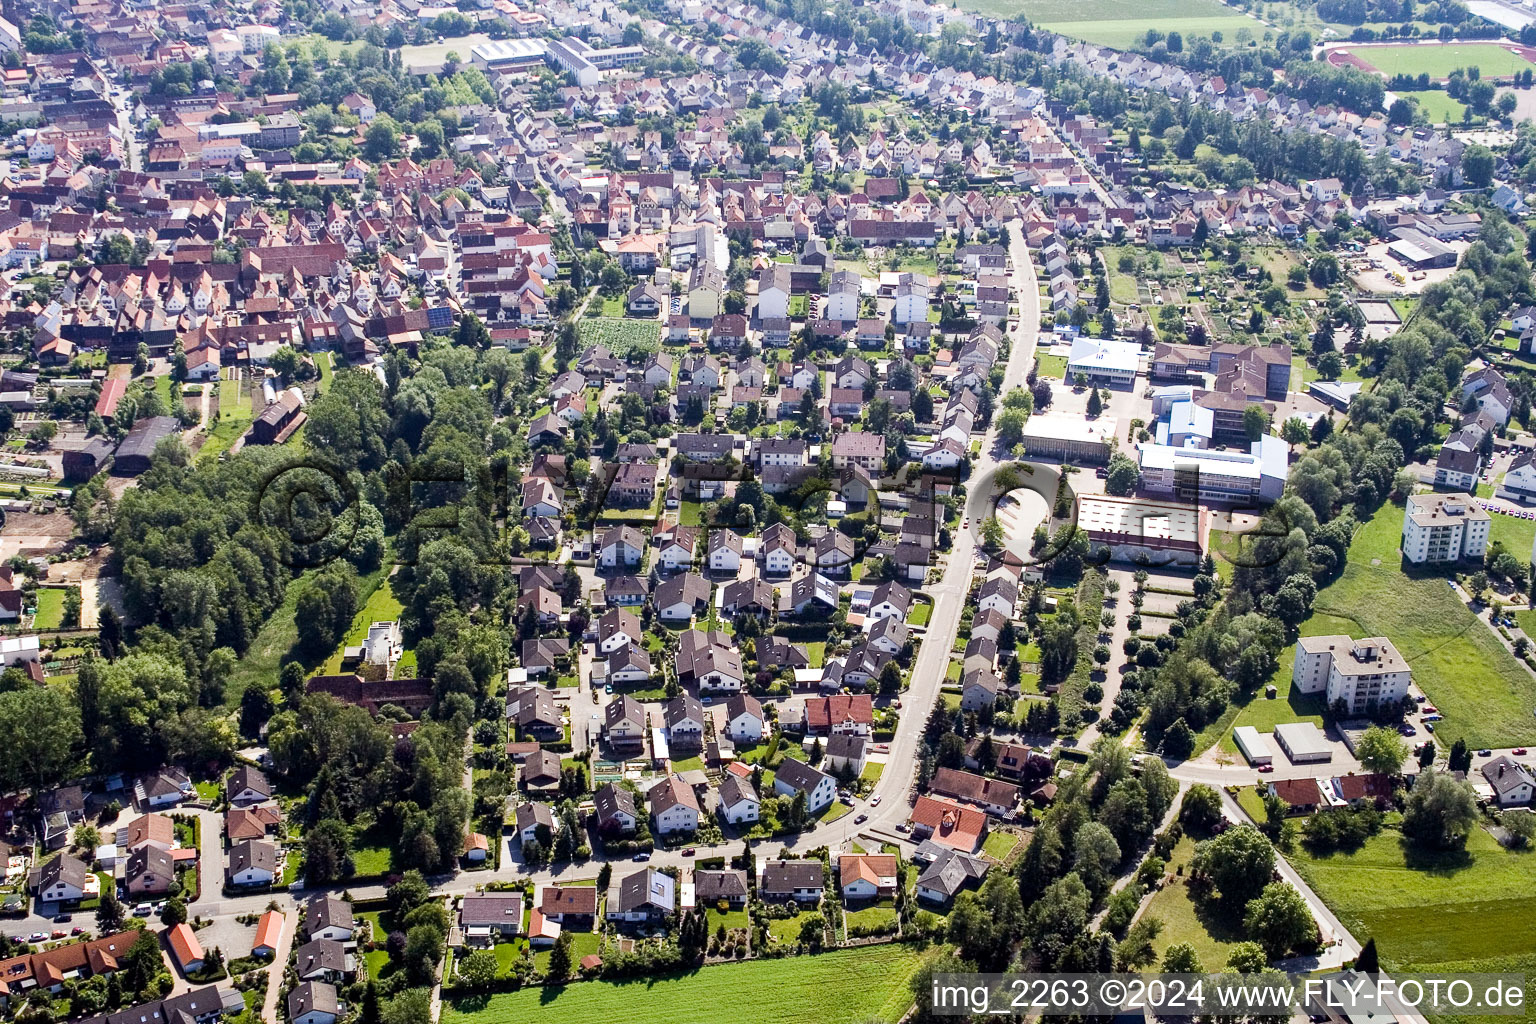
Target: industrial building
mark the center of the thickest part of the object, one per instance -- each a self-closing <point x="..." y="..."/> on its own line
<point x="1303" y="743"/>
<point x="1104" y="362"/>
<point x="508" y="55"/>
<point x="1253" y="745"/>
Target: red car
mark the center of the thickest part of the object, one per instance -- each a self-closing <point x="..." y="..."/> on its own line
<point x="1518" y="751"/>
<point x="1265" y="768"/>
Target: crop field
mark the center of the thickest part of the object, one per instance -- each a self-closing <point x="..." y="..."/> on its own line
<point x="1456" y="911"/>
<point x="1122" y="22"/>
<point x="1434" y="59"/>
<point x="842" y="987"/>
<point x="621" y="337"/>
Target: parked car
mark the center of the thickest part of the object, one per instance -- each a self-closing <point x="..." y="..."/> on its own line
<point x="641" y="856"/>
<point x="63" y="919"/>
<point x="36" y="937"/>
<point x="874" y="801"/>
<point x="1485" y="753"/>
<point x="903" y="827"/>
<point x="1518" y="751"/>
<point x="861" y="819"/>
<point x="690" y="851"/>
<point x="1266" y="768"/>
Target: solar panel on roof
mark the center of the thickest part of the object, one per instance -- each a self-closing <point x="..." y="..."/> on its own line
<point x="439" y="316"/>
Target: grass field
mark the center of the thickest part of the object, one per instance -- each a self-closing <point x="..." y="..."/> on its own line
<point x="381" y="606"/>
<point x="1122" y="22"/>
<point x="1439" y="61"/>
<point x="1212" y="934"/>
<point x="842" y="987"/>
<point x="1462" y="911"/>
<point x="50" y="607"/>
<point x="1486" y="696"/>
<point x="235" y="415"/>
<point x="1052" y="366"/>
<point x="1437" y="106"/>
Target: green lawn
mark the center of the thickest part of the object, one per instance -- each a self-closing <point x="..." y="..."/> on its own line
<point x="50" y="607"/>
<point x="370" y="857"/>
<point x="584" y="944"/>
<point x="381" y="606"/>
<point x="731" y="919"/>
<point x="235" y="415"/>
<point x="816" y="651"/>
<point x="1209" y="931"/>
<point x="842" y="987"/>
<point x="1052" y="366"/>
<point x="787" y="929"/>
<point x="999" y="845"/>
<point x="871" y="772"/>
<point x="1515" y="534"/>
<point x="881" y="914"/>
<point x="1122" y="286"/>
<point x="1439" y="61"/>
<point x="1437" y="106"/>
<point x="1121" y="22"/>
<point x="1486" y="696"/>
<point x="1461" y="911"/>
<point x="921" y="612"/>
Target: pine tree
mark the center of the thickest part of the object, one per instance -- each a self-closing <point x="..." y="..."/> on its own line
<point x="1366" y="962"/>
<point x="1095" y="407"/>
<point x="370" y="1012"/>
<point x="559" y="959"/>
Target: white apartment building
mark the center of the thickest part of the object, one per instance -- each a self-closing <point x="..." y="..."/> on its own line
<point x="1444" y="528"/>
<point x="1356" y="672"/>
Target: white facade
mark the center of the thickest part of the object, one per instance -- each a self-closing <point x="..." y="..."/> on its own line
<point x="1357" y="672"/>
<point x="1444" y="528"/>
<point x="1104" y="361"/>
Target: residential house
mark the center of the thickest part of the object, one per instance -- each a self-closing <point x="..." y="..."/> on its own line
<point x="868" y="876"/>
<point x="489" y="918"/>
<point x="647" y="896"/>
<point x="792" y="777"/>
<point x="744" y="719"/>
<point x="329" y="917"/>
<point x="799" y="881"/>
<point x="674" y="807"/>
<point x="251" y="863"/>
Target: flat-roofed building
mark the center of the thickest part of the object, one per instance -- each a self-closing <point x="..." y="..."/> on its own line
<point x="1303" y="742"/>
<point x="1360" y="673"/>
<point x="1069" y="438"/>
<point x="1102" y="361"/>
<point x="1203" y="474"/>
<point x="1253" y="745"/>
<point x="1143" y="532"/>
<point x="1444" y="528"/>
<point x="509" y="55"/>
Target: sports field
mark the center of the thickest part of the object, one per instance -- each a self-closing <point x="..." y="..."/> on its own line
<point x="1438" y="61"/>
<point x="1122" y="23"/>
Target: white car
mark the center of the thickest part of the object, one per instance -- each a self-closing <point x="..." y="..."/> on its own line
<point x="874" y="801"/>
